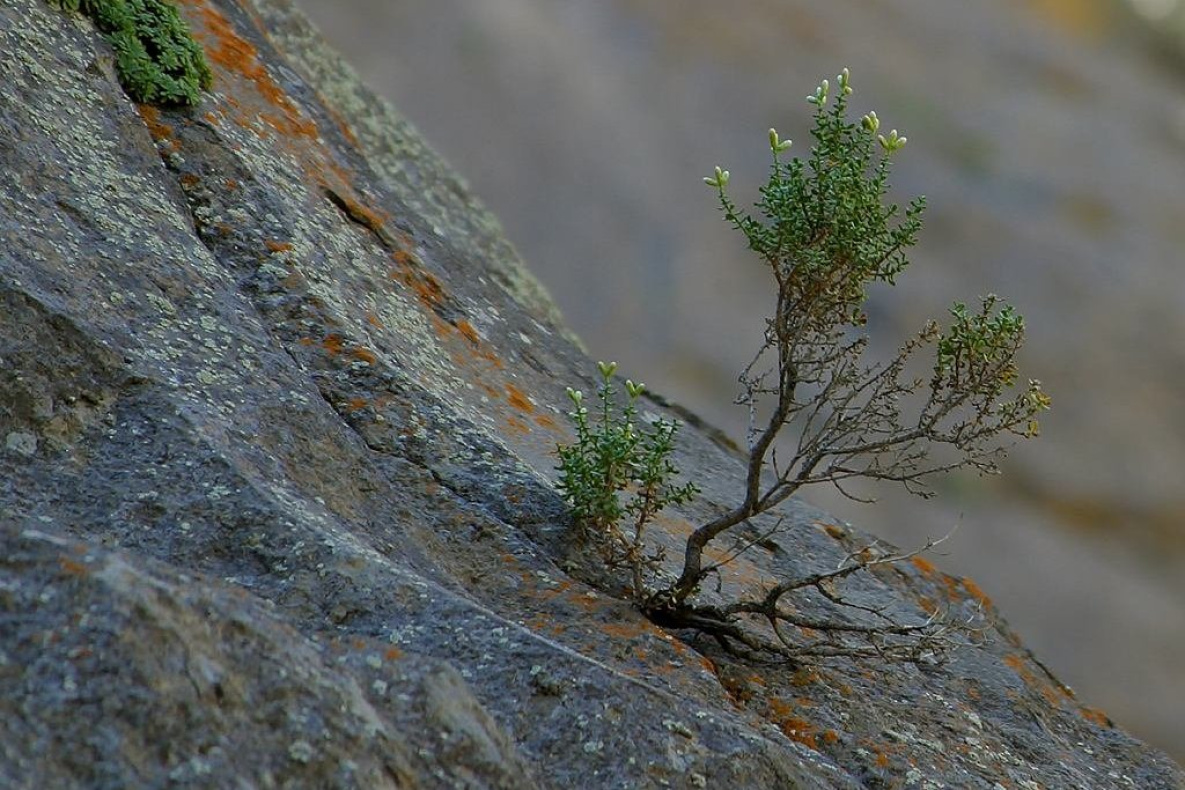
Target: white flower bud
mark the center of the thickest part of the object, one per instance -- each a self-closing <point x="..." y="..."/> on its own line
<point x="777" y="144"/>
<point x="607" y="369"/>
<point x="719" y="179"/>
<point x="845" y="79"/>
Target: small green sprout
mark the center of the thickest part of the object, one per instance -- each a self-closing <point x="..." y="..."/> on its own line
<point x="819" y="97"/>
<point x="618" y="469"/>
<point x="892" y="142"/>
<point x="845" y="78"/>
<point x="719" y="179"/>
<point x="776" y="144"/>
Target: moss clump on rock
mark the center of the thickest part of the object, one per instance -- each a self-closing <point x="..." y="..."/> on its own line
<point x="156" y="56"/>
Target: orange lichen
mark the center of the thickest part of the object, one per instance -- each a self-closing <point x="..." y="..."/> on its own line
<point x="277" y="246"/>
<point x="72" y="567"/>
<point x="518" y="399"/>
<point x="161" y="132"/>
<point x="333" y="344"/>
<point x="834" y="531"/>
<point x="374" y="321"/>
<point x="538" y="622"/>
<point x="364" y="355"/>
<point x="1095" y="716"/>
<point x="1054" y="695"/>
<point x="545" y="422"/>
<point x="189" y="180"/>
<point x="393" y="654"/>
<point x="467" y="331"/>
<point x="517" y="426"/>
<point x="492" y="359"/>
<point x="975" y="592"/>
<point x="232" y="55"/>
<point x="560" y="588"/>
<point x="737" y="690"/>
<point x="585" y="601"/>
<point x="830" y="737"/>
<point x="793" y="727"/>
<point x="924" y="566"/>
<point x="426" y="288"/>
<point x="357" y="211"/>
<point x="405" y="259"/>
<point x="356" y="404"/>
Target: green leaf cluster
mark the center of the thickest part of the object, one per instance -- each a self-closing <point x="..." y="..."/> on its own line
<point x="617" y="468"/>
<point x="977" y="354"/>
<point x="823" y="225"/>
<point x="156" y="56"/>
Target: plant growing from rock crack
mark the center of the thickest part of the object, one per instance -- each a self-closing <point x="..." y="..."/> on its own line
<point x="613" y="456"/>
<point x="826" y="235"/>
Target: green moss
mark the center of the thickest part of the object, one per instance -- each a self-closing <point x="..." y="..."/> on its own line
<point x="156" y="57"/>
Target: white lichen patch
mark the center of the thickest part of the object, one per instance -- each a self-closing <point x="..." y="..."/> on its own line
<point x="21" y="442"/>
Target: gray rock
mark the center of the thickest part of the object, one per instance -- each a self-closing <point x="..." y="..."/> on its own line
<point x="289" y="518"/>
<point x="1048" y="137"/>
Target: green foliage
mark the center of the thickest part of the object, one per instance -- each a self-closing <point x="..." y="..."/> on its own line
<point x="157" y="59"/>
<point x="824" y="229"/>
<point x="617" y="469"/>
<point x="977" y="354"/>
<point x="826" y="233"/>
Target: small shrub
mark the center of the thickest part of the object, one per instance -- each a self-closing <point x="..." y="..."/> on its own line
<point x="618" y="470"/>
<point x="825" y="233"/>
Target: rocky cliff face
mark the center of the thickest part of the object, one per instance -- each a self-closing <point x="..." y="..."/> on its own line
<point x="277" y="409"/>
<point x="1050" y="142"/>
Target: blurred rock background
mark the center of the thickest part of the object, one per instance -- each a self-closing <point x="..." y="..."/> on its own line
<point x="1049" y="137"/>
